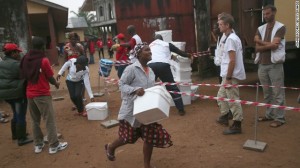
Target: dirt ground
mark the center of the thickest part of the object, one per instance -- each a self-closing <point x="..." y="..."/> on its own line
<point x="198" y="140"/>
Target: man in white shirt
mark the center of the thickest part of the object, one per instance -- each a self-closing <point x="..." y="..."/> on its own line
<point x="232" y="70"/>
<point x="160" y="64"/>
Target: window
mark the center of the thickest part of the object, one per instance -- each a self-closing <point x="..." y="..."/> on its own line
<point x="111" y="13"/>
<point x="100" y="11"/>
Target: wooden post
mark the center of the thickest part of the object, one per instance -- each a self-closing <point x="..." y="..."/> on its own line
<point x="53" y="55"/>
<point x="202" y="12"/>
<point x="15" y="21"/>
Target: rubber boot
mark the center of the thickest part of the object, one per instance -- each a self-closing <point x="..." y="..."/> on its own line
<point x="13" y="130"/>
<point x="223" y="120"/>
<point x="235" y="128"/>
<point x="22" y="135"/>
<point x="230" y="115"/>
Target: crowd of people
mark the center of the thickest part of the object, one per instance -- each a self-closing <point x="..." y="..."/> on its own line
<point x="25" y="82"/>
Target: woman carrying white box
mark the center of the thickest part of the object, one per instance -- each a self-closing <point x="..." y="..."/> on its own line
<point x="134" y="80"/>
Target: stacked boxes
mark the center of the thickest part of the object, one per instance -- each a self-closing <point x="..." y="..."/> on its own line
<point x="182" y="73"/>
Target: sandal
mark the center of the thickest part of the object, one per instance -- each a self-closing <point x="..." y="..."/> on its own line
<point x="84" y="114"/>
<point x="276" y="124"/>
<point x="110" y="157"/>
<point x="263" y="119"/>
<point x="4" y="120"/>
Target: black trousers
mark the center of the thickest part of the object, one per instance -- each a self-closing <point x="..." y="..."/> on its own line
<point x="164" y="73"/>
<point x="75" y="90"/>
<point x="100" y="50"/>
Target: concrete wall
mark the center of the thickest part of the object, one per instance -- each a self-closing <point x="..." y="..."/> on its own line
<point x="34" y="8"/>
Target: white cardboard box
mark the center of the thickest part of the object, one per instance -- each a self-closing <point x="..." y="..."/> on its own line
<point x="195" y="90"/>
<point x="180" y="45"/>
<point x="183" y="74"/>
<point x="153" y="106"/>
<point x="96" y="110"/>
<point x="166" y="34"/>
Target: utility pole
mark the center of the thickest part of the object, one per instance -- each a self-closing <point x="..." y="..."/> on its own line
<point x="202" y="12"/>
<point x="14" y="22"/>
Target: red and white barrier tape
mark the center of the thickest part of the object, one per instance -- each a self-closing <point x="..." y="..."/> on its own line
<point x="225" y="85"/>
<point x="197" y="54"/>
<point x="121" y="62"/>
<point x="110" y="80"/>
<point x="200" y="54"/>
<point x="238" y="101"/>
<point x="115" y="81"/>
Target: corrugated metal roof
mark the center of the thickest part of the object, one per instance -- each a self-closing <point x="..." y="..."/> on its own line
<point x="78" y="22"/>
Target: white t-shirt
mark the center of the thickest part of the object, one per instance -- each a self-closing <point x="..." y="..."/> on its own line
<point x="233" y="43"/>
<point x="160" y="51"/>
<point x="138" y="40"/>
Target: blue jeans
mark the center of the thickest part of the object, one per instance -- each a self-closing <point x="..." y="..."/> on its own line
<point x="164" y="73"/>
<point x="19" y="108"/>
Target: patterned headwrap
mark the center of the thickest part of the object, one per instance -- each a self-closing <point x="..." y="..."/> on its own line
<point x="138" y="48"/>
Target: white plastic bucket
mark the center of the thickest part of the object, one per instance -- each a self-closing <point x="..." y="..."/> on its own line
<point x="153" y="106"/>
<point x="96" y="110"/>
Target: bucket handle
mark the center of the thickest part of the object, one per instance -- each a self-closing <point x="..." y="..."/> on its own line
<point x="167" y="96"/>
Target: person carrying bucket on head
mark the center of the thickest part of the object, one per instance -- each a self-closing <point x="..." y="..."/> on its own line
<point x="134" y="80"/>
<point x="77" y="78"/>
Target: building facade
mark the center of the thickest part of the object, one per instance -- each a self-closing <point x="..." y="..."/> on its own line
<point x="106" y="17"/>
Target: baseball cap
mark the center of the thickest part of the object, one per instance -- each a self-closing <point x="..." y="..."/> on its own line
<point x="11" y="47"/>
<point x="82" y="60"/>
<point x="121" y="36"/>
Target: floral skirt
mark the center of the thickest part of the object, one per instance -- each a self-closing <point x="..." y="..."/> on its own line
<point x="153" y="134"/>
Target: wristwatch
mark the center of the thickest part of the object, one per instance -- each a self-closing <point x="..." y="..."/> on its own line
<point x="228" y="78"/>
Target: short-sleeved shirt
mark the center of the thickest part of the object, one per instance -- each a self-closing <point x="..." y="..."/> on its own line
<point x="92" y="47"/>
<point x="233" y="43"/>
<point x="99" y="44"/>
<point x="266" y="55"/>
<point x="109" y="43"/>
<point x="132" y="43"/>
<point x="121" y="53"/>
<point x="42" y="87"/>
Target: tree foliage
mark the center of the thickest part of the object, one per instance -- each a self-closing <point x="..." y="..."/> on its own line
<point x="89" y="18"/>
